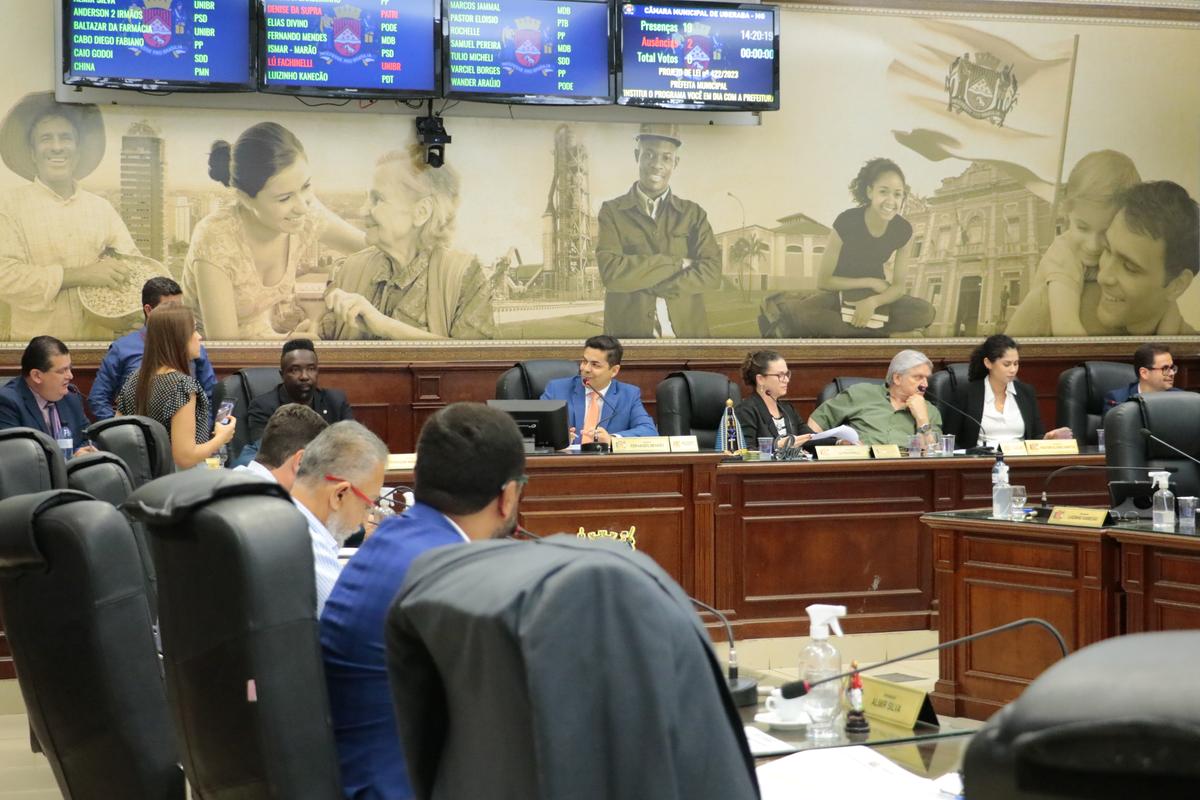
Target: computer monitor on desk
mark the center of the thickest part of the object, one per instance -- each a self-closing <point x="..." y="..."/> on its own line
<point x="543" y="423"/>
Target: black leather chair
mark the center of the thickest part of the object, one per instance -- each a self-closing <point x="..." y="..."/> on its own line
<point x="79" y="626"/>
<point x="1114" y="720"/>
<point x="537" y="615"/>
<point x="242" y="387"/>
<point x="1081" y="391"/>
<point x="527" y="380"/>
<point x="106" y="477"/>
<point x="4" y="379"/>
<point x="948" y="386"/>
<point x="1173" y="417"/>
<point x="141" y="442"/>
<point x="841" y="384"/>
<point x="30" y="461"/>
<point x="237" y="604"/>
<point x="690" y="403"/>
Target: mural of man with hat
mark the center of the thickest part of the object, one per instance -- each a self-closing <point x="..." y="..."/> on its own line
<point x="656" y="251"/>
<point x="54" y="236"/>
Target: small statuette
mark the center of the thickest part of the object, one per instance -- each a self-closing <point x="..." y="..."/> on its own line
<point x="856" y="720"/>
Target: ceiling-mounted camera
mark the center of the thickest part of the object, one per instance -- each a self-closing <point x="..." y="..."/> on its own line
<point x="432" y="134"/>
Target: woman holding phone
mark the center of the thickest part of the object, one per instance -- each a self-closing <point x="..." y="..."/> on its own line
<point x="163" y="389"/>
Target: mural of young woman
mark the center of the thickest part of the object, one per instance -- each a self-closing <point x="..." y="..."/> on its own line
<point x="243" y="257"/>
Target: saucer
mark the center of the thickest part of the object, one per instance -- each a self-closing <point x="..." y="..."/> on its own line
<point x="773" y="721"/>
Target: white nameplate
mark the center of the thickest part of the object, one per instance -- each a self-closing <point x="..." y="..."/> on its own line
<point x="844" y="452"/>
<point x="642" y="444"/>
<point x="1014" y="448"/>
<point x="401" y="461"/>
<point x="684" y="444"/>
<point x="1052" y="447"/>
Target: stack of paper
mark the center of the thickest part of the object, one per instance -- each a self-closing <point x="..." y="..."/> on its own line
<point x="838" y="773"/>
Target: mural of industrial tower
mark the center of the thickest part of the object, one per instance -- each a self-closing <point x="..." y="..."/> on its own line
<point x="926" y="177"/>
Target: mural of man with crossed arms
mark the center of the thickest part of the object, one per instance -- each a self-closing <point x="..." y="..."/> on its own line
<point x="656" y="251"/>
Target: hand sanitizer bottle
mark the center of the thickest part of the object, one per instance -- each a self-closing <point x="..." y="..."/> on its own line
<point x="1001" y="493"/>
<point x="821" y="660"/>
<point x="1164" y="502"/>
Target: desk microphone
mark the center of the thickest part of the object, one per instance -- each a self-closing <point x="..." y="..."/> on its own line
<point x="801" y="688"/>
<point x="744" y="690"/>
<point x="1146" y="433"/>
<point x="1044" y="509"/>
<point x="979" y="449"/>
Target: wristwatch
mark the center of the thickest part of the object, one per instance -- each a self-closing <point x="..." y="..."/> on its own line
<point x="926" y="428"/>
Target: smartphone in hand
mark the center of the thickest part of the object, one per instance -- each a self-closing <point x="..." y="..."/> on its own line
<point x="224" y="410"/>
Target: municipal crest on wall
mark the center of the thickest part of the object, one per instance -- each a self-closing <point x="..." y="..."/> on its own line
<point x="981" y="88"/>
<point x="528" y="45"/>
<point x="160" y="23"/>
<point x="347" y="31"/>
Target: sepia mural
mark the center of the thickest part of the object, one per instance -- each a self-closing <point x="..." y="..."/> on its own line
<point x="926" y="176"/>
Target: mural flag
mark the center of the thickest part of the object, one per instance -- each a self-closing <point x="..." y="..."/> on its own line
<point x="960" y="92"/>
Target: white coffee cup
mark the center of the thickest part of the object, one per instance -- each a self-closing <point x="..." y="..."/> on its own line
<point x="786" y="710"/>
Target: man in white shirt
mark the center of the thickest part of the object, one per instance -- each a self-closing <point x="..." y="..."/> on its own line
<point x="54" y="236"/>
<point x="288" y="432"/>
<point x="336" y="487"/>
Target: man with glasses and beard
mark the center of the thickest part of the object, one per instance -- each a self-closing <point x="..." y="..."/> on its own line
<point x="1155" y="371"/>
<point x="468" y="482"/>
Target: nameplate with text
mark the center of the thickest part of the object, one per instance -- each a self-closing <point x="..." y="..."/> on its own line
<point x="843" y="452"/>
<point x="885" y="450"/>
<point x="1078" y="517"/>
<point x="1014" y="448"/>
<point x="896" y="703"/>
<point x="642" y="444"/>
<point x="684" y="444"/>
<point x="399" y="461"/>
<point x="1052" y="447"/>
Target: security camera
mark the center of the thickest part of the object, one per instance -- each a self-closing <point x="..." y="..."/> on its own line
<point x="432" y="134"/>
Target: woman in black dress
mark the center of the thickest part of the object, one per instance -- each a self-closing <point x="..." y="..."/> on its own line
<point x="765" y="412"/>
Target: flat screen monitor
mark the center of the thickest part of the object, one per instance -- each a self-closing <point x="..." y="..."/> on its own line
<point x="527" y="51"/>
<point x="703" y="56"/>
<point x="375" y="49"/>
<point x="159" y="45"/>
<point x="543" y="421"/>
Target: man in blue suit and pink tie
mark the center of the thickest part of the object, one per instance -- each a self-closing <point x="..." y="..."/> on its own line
<point x="599" y="406"/>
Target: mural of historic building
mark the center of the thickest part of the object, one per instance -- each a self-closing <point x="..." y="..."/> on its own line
<point x="143" y="198"/>
<point x="785" y="257"/>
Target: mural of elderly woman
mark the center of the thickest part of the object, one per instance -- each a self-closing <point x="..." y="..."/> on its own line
<point x="408" y="283"/>
<point x="243" y="257"/>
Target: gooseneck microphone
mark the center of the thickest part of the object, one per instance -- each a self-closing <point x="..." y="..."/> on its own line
<point x="744" y="690"/>
<point x="955" y="408"/>
<point x="801" y="688"/>
<point x="1147" y="433"/>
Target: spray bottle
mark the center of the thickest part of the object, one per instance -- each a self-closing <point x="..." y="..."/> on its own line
<point x="821" y="660"/>
<point x="1164" y="502"/>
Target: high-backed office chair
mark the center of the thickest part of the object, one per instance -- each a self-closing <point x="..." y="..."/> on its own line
<point x="242" y="387"/>
<point x="841" y="384"/>
<point x="542" y="615"/>
<point x="4" y="379"/>
<point x="1113" y="720"/>
<point x="106" y="477"/>
<point x="30" y="461"/>
<point x="237" y="613"/>
<point x="1173" y="417"/>
<point x="1081" y="391"/>
<point x="948" y="386"/>
<point x="141" y="442"/>
<point x="527" y="380"/>
<point x="79" y="626"/>
<point x="690" y="403"/>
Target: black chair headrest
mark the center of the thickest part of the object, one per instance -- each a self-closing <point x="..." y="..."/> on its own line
<point x="172" y="498"/>
<point x="30" y="461"/>
<point x="1173" y="417"/>
<point x="1102" y="378"/>
<point x="18" y="549"/>
<point x="141" y="442"/>
<point x="105" y="476"/>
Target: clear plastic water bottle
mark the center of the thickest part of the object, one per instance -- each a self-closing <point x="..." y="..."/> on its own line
<point x="821" y="660"/>
<point x="1001" y="493"/>
<point x="1164" y="502"/>
<point x="66" y="442"/>
<point x="223" y="455"/>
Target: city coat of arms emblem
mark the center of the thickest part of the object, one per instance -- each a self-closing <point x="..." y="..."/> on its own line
<point x="981" y="88"/>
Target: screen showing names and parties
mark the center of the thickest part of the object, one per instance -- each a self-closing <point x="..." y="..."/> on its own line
<point x="528" y="48"/>
<point x="351" y="47"/>
<point x="157" y="43"/>
<point x="699" y="55"/>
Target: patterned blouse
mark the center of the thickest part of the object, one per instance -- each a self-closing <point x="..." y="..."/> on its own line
<point x="169" y="392"/>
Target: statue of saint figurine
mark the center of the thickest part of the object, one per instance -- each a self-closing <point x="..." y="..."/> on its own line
<point x="856" y="720"/>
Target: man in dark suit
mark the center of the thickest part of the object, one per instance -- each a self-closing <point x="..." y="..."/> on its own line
<point x="1155" y="370"/>
<point x="298" y="368"/>
<point x="600" y="407"/>
<point x="656" y="252"/>
<point x="43" y="397"/>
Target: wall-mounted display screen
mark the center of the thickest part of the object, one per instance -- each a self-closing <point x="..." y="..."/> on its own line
<point x="169" y="45"/>
<point x="350" y="48"/>
<point x="699" y="55"/>
<point x="532" y="51"/>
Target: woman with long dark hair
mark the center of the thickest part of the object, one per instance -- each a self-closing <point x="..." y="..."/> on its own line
<point x="1007" y="407"/>
<point x="163" y="388"/>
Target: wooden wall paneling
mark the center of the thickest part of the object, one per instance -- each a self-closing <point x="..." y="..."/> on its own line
<point x="1160" y="576"/>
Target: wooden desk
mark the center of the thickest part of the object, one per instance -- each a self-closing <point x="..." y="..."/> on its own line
<point x="1089" y="583"/>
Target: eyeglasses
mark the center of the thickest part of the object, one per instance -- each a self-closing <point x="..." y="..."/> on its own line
<point x="520" y="480"/>
<point x="376" y="508"/>
<point x="783" y="376"/>
<point x="1169" y="369"/>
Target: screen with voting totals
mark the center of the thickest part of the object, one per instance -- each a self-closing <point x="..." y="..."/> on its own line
<point x="556" y="50"/>
<point x="368" y="48"/>
<point x="699" y="55"/>
<point x="158" y="44"/>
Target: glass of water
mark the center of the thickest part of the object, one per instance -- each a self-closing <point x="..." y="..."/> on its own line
<point x="1017" y="498"/>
